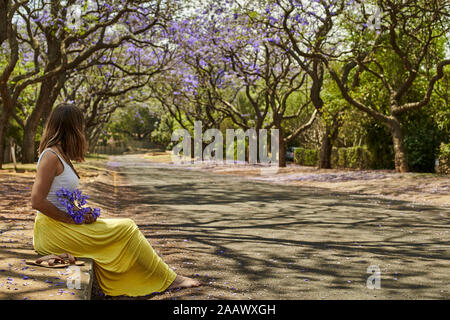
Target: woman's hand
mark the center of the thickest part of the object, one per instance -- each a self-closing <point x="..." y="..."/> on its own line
<point x="89" y="217"/>
<point x="68" y="219"/>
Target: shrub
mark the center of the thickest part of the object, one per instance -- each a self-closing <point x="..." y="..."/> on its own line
<point x="298" y="156"/>
<point x="358" y="158"/>
<point x="306" y="157"/>
<point x="379" y="145"/>
<point x="311" y="157"/>
<point x="353" y="157"/>
<point x="341" y="160"/>
<point x="334" y="157"/>
<point x="444" y="159"/>
<point x="422" y="140"/>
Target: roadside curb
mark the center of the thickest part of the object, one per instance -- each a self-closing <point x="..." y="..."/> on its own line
<point x="19" y="281"/>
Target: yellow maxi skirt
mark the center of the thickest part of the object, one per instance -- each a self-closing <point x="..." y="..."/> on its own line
<point x="124" y="261"/>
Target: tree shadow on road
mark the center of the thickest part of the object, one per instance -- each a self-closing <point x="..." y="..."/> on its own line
<point x="259" y="240"/>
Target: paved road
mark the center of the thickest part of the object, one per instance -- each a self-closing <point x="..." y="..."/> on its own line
<point x="254" y="240"/>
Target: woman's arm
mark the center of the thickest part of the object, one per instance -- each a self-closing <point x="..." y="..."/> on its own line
<point x="46" y="172"/>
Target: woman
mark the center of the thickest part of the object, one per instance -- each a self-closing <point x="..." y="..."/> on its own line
<point x="125" y="262"/>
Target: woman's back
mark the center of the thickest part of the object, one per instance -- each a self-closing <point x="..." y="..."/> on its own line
<point x="67" y="179"/>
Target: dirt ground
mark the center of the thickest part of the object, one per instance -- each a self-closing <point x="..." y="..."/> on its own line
<point x="19" y="281"/>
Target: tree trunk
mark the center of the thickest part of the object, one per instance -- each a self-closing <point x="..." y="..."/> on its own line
<point x="401" y="161"/>
<point x="258" y="128"/>
<point x="47" y="96"/>
<point x="325" y="150"/>
<point x="28" y="145"/>
<point x="282" y="149"/>
<point x="48" y="93"/>
<point x="92" y="138"/>
<point x="7" y="109"/>
<point x="192" y="149"/>
<point x="4" y="10"/>
<point x="331" y="133"/>
<point x="3" y="129"/>
<point x="29" y="133"/>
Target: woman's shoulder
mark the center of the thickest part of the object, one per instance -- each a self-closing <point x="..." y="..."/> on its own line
<point x="49" y="156"/>
<point x="49" y="153"/>
<point x="53" y="150"/>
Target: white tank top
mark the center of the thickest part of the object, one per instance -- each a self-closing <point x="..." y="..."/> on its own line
<point x="67" y="179"/>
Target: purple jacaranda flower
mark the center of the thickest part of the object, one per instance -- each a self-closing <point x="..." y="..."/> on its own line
<point x="74" y="202"/>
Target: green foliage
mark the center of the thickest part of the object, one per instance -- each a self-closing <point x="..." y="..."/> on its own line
<point x="440" y="107"/>
<point x="341" y="160"/>
<point x="353" y="157"/>
<point x="163" y="133"/>
<point x="227" y="145"/>
<point x="379" y="144"/>
<point x="311" y="157"/>
<point x="306" y="157"/>
<point x="444" y="158"/>
<point x="422" y="140"/>
<point x="135" y="122"/>
<point x="15" y="131"/>
<point x="357" y="157"/>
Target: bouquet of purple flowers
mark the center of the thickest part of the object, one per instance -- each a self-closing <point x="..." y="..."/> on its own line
<point x="74" y="202"/>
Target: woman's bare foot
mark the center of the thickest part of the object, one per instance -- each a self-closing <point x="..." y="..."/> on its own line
<point x="183" y="282"/>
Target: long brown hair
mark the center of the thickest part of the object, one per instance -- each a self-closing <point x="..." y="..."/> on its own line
<point x="65" y="126"/>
